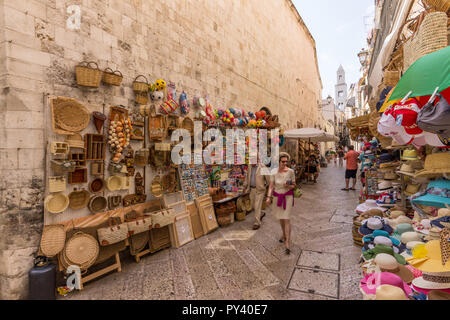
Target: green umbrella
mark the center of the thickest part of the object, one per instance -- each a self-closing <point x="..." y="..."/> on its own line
<point x="425" y="75"/>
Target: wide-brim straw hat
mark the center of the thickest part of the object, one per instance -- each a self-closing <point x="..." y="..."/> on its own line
<point x="285" y="154"/>
<point x="438" y="295"/>
<point x="82" y="250"/>
<point x="391" y="164"/>
<point x="56" y="203"/>
<point x="394" y="214"/>
<point x="401" y="219"/>
<point x="388" y="292"/>
<point x="367" y="205"/>
<point x="432" y="281"/>
<point x="410" y="154"/>
<point x="412" y="189"/>
<point x="406" y="168"/>
<point x="52" y="240"/>
<point x="114" y="183"/>
<point x="436" y="164"/>
<point x="429" y="258"/>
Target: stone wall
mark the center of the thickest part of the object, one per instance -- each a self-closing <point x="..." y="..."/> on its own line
<point x="241" y="53"/>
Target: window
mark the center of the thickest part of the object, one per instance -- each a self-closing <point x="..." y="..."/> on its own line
<point x="340" y="94"/>
<point x="340" y="77"/>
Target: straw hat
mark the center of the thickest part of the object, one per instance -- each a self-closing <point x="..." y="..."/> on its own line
<point x="387" y="263"/>
<point x="367" y="205"/>
<point x="400" y="229"/>
<point x="409" y="155"/>
<point x="56" y="202"/>
<point x="82" y="250"/>
<point x="433" y="280"/>
<point x="435" y="165"/>
<point x="384" y="185"/>
<point x="406" y="168"/>
<point x="428" y="258"/>
<point x="412" y="189"/>
<point x="114" y="183"/>
<point x="438" y="295"/>
<point x="53" y="240"/>
<point x="388" y="292"/>
<point x="391" y="164"/>
<point x="390" y="176"/>
<point x="401" y="219"/>
<point x="396" y="213"/>
<point x="285" y="154"/>
<point x="433" y="234"/>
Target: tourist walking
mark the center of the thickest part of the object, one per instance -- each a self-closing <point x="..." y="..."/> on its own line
<point x="282" y="184"/>
<point x="256" y="184"/>
<point x="340" y="154"/>
<point x="352" y="159"/>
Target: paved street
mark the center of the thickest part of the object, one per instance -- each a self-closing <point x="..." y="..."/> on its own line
<point x="239" y="263"/>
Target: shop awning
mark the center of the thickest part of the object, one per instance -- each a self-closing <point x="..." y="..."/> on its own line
<point x="312" y="134"/>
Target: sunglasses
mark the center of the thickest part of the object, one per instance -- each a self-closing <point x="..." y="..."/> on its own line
<point x="284" y="161"/>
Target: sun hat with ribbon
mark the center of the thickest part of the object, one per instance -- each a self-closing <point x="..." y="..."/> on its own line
<point x="374" y="223"/>
<point x="384" y="186"/>
<point x="401" y="219"/>
<point x="386" y="241"/>
<point x="443" y="212"/>
<point x="388" y="292"/>
<point x="381" y="248"/>
<point x="401" y="228"/>
<point x="370" y="283"/>
<point x="432" y="257"/>
<point x="388" y="263"/>
<point x="386" y="159"/>
<point x="408" y="237"/>
<point x="437" y="194"/>
<point x="406" y="168"/>
<point x="409" y="247"/>
<point x="410" y="154"/>
<point x="380" y="234"/>
<point x="433" y="280"/>
<point x="367" y="205"/>
<point x="436" y="164"/>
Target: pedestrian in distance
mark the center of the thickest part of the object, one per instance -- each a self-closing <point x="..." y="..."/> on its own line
<point x="282" y="185"/>
<point x="340" y="154"/>
<point x="352" y="159"/>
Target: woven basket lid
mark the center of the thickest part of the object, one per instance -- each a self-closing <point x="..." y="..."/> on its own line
<point x="82" y="249"/>
<point x="97" y="204"/>
<point x="75" y="141"/>
<point x="70" y="115"/>
<point x="97" y="185"/>
<point x="56" y="203"/>
<point x="114" y="183"/>
<point x="78" y="199"/>
<point x="53" y="240"/>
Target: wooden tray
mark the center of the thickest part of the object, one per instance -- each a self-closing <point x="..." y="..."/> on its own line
<point x="78" y="176"/>
<point x="95" y="147"/>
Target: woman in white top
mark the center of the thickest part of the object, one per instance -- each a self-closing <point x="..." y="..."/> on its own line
<point x="282" y="184"/>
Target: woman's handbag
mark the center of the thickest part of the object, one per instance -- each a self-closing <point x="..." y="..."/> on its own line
<point x="112" y="234"/>
<point x="139" y="225"/>
<point x="163" y="218"/>
<point x="297" y="193"/>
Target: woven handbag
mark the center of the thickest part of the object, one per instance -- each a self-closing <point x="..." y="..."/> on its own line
<point x="87" y="75"/>
<point x="139" y="225"/>
<point x="112" y="77"/>
<point x="112" y="234"/>
<point x="163" y="218"/>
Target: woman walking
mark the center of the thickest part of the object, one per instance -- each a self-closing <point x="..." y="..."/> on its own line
<point x="282" y="184"/>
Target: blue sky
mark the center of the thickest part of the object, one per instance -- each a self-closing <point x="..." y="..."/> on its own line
<point x="340" y="31"/>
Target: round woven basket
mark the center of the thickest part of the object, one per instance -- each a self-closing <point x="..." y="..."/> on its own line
<point x="224" y="219"/>
<point x="112" y="77"/>
<point x="82" y="250"/>
<point x="53" y="240"/>
<point x="97" y="204"/>
<point x="88" y="74"/>
<point x="114" y="183"/>
<point x="70" y="115"/>
<point x="56" y="203"/>
<point x="78" y="199"/>
<point x="97" y="185"/>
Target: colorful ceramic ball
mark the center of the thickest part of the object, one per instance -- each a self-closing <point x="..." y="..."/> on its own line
<point x="160" y="84"/>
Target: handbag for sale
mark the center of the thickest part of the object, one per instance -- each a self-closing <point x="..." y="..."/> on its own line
<point x="435" y="118"/>
<point x="163" y="218"/>
<point x="139" y="225"/>
<point x="112" y="234"/>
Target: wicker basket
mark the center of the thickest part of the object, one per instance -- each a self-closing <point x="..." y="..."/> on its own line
<point x="69" y="114"/>
<point x="142" y="98"/>
<point x="53" y="240"/>
<point x="82" y="250"/>
<point x="391" y="78"/>
<point x="56" y="203"/>
<point x="78" y="199"/>
<point x="112" y="77"/>
<point x="156" y="188"/>
<point x="97" y="204"/>
<point x="88" y="76"/>
<point x="224" y="219"/>
<point x="140" y="86"/>
<point x="240" y="216"/>
<point x="439" y="5"/>
<point x="97" y="185"/>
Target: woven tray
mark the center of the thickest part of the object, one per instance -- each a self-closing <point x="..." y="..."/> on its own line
<point x="56" y="203"/>
<point x="69" y="114"/>
<point x="81" y="250"/>
<point x="78" y="199"/>
<point x="53" y="240"/>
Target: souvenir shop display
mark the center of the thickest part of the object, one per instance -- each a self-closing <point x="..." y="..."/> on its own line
<point x="95" y="147"/>
<point x="194" y="182"/>
<point x="120" y="129"/>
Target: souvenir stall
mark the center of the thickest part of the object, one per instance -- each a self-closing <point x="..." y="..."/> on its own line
<point x="112" y="186"/>
<point x="405" y="232"/>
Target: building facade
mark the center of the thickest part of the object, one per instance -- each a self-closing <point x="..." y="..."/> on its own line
<point x="245" y="54"/>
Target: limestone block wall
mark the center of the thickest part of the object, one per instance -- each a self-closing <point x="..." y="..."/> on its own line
<point x="241" y="53"/>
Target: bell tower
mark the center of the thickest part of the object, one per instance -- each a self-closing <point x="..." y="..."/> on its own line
<point x="341" y="89"/>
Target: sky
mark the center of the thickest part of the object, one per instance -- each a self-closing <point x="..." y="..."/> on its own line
<point x="340" y="31"/>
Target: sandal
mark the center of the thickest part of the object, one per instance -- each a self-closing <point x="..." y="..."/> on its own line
<point x="256" y="227"/>
<point x="288" y="251"/>
<point x="352" y="189"/>
<point x="344" y="189"/>
<point x="282" y="240"/>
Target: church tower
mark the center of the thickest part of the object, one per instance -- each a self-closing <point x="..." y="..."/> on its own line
<point x="341" y="89"/>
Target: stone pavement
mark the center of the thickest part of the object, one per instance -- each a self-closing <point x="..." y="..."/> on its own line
<point x="238" y="263"/>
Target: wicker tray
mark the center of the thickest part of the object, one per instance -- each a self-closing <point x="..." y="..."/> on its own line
<point x="69" y="114"/>
<point x="52" y="240"/>
<point x="56" y="203"/>
<point x="81" y="250"/>
<point x="78" y="199"/>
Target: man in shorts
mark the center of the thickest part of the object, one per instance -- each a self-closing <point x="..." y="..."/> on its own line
<point x="352" y="159"/>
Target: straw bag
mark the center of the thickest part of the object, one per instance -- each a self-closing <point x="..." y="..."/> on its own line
<point x="53" y="240"/>
<point x="112" y="234"/>
<point x="163" y="218"/>
<point x="140" y="86"/>
<point x="88" y="76"/>
<point x="57" y="184"/>
<point x="112" y="77"/>
<point x="139" y="225"/>
<point x="142" y="98"/>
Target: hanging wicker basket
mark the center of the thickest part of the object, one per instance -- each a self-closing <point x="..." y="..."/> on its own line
<point x="391" y="78"/>
<point x="56" y="203"/>
<point x="53" y="240"/>
<point x="88" y="74"/>
<point x="111" y="77"/>
<point x="142" y="98"/>
<point x="140" y="86"/>
<point x="97" y="204"/>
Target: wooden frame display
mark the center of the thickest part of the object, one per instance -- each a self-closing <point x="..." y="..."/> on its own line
<point x="197" y="227"/>
<point x="94" y="147"/>
<point x="181" y="230"/>
<point x="179" y="207"/>
<point x="171" y="198"/>
<point x="208" y="218"/>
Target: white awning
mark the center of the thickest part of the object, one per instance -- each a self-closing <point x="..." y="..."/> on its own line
<point x="313" y="134"/>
